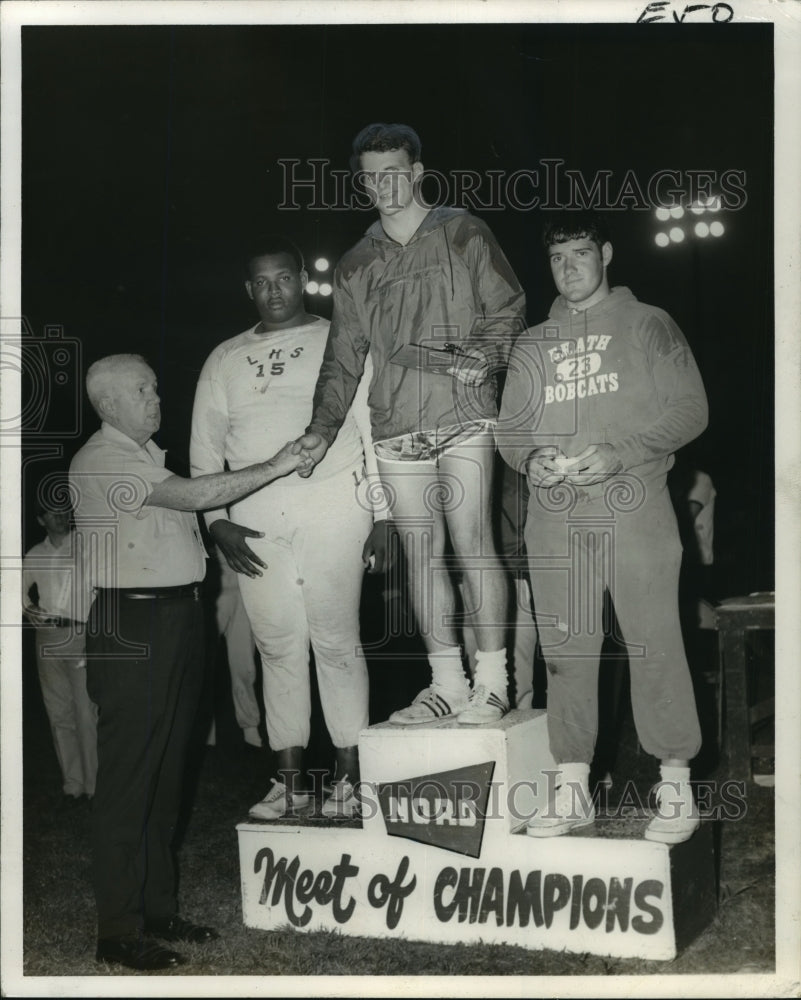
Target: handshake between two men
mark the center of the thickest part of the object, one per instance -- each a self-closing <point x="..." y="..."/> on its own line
<point x="299" y="456"/>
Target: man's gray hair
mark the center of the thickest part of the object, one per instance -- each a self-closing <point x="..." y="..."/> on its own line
<point x="103" y="375"/>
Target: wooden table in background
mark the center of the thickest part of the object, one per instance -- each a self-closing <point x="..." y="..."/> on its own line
<point x="734" y="617"/>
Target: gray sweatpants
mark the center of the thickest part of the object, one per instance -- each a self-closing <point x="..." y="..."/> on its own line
<point x="624" y="539"/>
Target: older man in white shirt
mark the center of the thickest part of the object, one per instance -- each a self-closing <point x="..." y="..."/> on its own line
<point x="144" y="556"/>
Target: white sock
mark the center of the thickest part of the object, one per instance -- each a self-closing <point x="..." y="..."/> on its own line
<point x="678" y="801"/>
<point x="575" y="772"/>
<point x="678" y="784"/>
<point x="491" y="671"/>
<point x="675" y="775"/>
<point x="574" y="787"/>
<point x="447" y="671"/>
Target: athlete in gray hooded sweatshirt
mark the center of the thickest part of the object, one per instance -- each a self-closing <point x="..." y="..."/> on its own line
<point x="597" y="399"/>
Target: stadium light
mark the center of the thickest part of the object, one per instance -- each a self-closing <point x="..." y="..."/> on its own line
<point x="697" y="228"/>
<point x="321" y="264"/>
<point x="312" y="287"/>
<point x="325" y="288"/>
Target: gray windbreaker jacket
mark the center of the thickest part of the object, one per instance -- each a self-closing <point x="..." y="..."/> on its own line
<point x="451" y="283"/>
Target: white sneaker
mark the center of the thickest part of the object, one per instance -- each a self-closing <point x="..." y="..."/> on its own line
<point x="571" y="809"/>
<point x="274" y="805"/>
<point x="484" y="706"/>
<point x="430" y="705"/>
<point x="342" y="802"/>
<point x="676" y="818"/>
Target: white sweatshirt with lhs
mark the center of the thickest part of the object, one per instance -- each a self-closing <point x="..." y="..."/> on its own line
<point x="255" y="394"/>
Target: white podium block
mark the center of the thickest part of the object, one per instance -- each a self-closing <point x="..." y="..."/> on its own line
<point x="628" y="898"/>
<point x="436" y="856"/>
<point x="461" y="787"/>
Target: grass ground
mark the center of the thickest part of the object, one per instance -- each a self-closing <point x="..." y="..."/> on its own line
<point x="59" y="927"/>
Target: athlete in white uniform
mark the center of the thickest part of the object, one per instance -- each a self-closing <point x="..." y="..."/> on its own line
<point x="300" y="547"/>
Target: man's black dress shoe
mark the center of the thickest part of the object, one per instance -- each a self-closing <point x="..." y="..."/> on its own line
<point x="177" y="929"/>
<point x="137" y="953"/>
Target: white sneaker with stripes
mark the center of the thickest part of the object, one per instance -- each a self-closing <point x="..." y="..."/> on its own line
<point x="429" y="706"/>
<point x="484" y="706"/>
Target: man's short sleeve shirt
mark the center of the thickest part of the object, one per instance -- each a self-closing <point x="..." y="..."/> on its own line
<point x="125" y="542"/>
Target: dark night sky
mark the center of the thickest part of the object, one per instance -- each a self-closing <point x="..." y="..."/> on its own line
<point x="150" y="166"/>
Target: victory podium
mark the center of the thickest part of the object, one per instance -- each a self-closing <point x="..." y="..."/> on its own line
<point x="441" y="854"/>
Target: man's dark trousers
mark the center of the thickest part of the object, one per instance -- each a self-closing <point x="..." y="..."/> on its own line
<point x="145" y="674"/>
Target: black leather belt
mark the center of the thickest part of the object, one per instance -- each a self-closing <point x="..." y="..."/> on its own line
<point x="66" y="623"/>
<point x="152" y="593"/>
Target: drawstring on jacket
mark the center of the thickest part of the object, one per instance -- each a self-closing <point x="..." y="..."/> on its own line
<point x="450" y="261"/>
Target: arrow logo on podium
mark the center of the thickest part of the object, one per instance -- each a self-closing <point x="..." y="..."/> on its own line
<point x="447" y="809"/>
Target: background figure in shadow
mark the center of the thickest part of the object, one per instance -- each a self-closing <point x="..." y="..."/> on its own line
<point x="55" y="602"/>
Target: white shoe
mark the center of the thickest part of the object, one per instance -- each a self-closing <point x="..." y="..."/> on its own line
<point x="571" y="809"/>
<point x="274" y="805"/>
<point x="676" y="818"/>
<point x="484" y="706"/>
<point x="342" y="802"/>
<point x="430" y="705"/>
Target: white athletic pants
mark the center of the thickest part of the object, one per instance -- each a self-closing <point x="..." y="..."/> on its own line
<point x="233" y="624"/>
<point x="309" y="594"/>
<point x="72" y="714"/>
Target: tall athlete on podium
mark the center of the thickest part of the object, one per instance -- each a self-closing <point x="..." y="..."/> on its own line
<point x="426" y="279"/>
